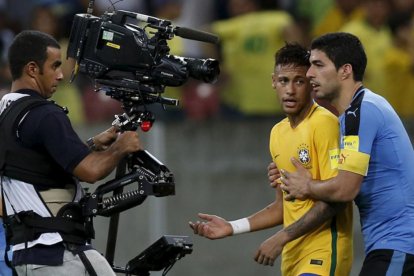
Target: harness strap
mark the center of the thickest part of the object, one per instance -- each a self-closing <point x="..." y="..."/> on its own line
<point x="6" y="229"/>
<point x="26" y="226"/>
<point x="87" y="263"/>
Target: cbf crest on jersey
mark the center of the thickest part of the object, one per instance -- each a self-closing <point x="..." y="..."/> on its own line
<point x="304" y="155"/>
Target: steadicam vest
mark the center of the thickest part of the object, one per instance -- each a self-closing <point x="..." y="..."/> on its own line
<point x="33" y="166"/>
<point x="38" y="168"/>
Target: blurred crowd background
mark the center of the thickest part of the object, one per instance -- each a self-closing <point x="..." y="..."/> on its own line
<point x="216" y="141"/>
<point x="250" y="32"/>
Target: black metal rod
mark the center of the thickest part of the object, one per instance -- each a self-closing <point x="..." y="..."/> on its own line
<point x="114" y="220"/>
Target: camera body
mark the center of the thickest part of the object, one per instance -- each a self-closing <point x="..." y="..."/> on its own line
<point x="123" y="55"/>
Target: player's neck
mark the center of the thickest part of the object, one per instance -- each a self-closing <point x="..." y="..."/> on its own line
<point x="345" y="96"/>
<point x="296" y="119"/>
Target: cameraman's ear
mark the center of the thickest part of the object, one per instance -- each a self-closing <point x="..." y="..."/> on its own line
<point x="32" y="69"/>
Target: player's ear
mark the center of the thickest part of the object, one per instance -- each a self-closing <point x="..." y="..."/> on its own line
<point x="274" y="80"/>
<point x="346" y="71"/>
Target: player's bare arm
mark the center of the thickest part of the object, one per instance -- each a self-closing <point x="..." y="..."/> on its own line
<point x="215" y="227"/>
<point x="271" y="248"/>
<point x="299" y="184"/>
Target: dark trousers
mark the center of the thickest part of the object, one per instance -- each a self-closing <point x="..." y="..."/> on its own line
<point x="387" y="262"/>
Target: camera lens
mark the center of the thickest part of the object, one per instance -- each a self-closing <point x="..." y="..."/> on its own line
<point x="206" y="70"/>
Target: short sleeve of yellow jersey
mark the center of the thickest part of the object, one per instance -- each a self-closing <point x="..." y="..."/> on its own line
<point x="326" y="142"/>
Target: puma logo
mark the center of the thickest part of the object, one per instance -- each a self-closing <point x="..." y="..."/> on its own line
<point x="352" y="112"/>
<point x="342" y="158"/>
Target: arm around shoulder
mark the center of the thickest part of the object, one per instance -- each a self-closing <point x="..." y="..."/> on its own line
<point x="342" y="188"/>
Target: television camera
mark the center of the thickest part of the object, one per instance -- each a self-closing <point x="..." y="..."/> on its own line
<point x="131" y="63"/>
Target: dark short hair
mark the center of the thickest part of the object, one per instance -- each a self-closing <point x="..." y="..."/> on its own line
<point x="292" y="53"/>
<point x="343" y="48"/>
<point x="29" y="46"/>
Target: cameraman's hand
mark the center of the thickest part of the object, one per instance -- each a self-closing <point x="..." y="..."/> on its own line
<point x="99" y="164"/>
<point x="213" y="228"/>
<point x="104" y="139"/>
<point x="127" y="142"/>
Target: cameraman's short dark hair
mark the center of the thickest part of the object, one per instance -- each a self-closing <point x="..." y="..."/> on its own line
<point x="292" y="53"/>
<point x="29" y="46"/>
<point x="343" y="48"/>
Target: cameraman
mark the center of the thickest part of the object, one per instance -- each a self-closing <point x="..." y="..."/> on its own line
<point x="41" y="162"/>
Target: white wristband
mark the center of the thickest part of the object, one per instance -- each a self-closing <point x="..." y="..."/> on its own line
<point x="240" y="226"/>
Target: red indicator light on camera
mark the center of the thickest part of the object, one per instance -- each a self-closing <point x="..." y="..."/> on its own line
<point x="145" y="126"/>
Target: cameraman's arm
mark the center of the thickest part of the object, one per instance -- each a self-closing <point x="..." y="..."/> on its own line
<point x="98" y="164"/>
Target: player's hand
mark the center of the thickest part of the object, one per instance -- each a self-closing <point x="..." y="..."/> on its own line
<point x="296" y="184"/>
<point x="274" y="174"/>
<point x="270" y="249"/>
<point x="213" y="227"/>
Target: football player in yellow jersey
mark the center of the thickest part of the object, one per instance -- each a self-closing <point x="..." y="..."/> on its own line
<point x="317" y="237"/>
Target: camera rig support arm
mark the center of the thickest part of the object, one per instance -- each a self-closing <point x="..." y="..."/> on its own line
<point x="151" y="178"/>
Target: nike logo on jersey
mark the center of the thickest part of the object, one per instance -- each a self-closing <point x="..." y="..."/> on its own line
<point x="316" y="262"/>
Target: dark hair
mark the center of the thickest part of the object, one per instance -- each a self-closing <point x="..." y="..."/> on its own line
<point x="398" y="20"/>
<point x="29" y="46"/>
<point x="343" y="48"/>
<point x="292" y="53"/>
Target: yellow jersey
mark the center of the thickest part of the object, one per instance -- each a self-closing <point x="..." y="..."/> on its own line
<point x="315" y="143"/>
<point x="248" y="42"/>
<point x="399" y="81"/>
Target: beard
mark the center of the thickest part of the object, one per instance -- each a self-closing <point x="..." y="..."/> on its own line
<point x="329" y="94"/>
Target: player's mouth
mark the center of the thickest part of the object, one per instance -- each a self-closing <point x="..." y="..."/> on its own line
<point x="289" y="102"/>
<point x="315" y="86"/>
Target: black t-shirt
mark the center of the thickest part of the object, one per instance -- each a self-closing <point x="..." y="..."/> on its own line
<point x="49" y="128"/>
